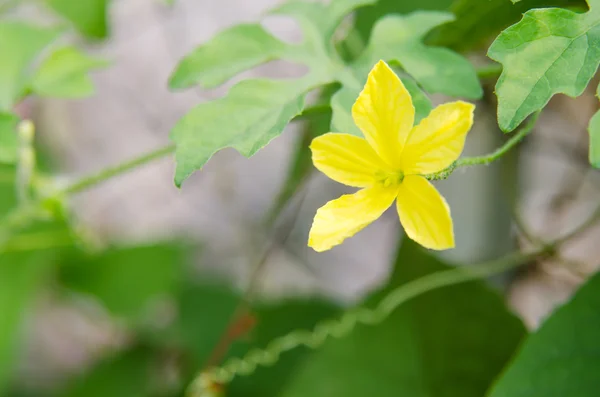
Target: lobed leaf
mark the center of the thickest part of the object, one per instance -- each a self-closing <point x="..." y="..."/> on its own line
<point x="24" y="43"/>
<point x="319" y="20"/>
<point x="232" y="51"/>
<point x="550" y="51"/>
<point x="64" y="74"/>
<point x="437" y="70"/>
<point x="250" y="116"/>
<point x="562" y="358"/>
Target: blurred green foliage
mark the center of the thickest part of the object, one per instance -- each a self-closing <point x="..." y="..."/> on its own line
<point x="90" y="17"/>
<point x="562" y="358"/>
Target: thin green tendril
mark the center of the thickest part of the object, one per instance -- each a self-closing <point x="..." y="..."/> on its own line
<point x="489" y="158"/>
<point x="205" y="383"/>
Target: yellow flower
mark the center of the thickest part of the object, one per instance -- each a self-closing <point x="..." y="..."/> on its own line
<point x="389" y="164"/>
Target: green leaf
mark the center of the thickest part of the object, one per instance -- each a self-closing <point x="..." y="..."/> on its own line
<point x="367" y="17"/>
<point x="22" y="272"/>
<point x="250" y="116"/>
<point x="319" y="21"/>
<point x="448" y="342"/>
<point x="20" y="44"/>
<point x="562" y="358"/>
<point x="205" y="312"/>
<point x="129" y="374"/>
<point x="256" y="111"/>
<point x="549" y="51"/>
<point x="88" y="16"/>
<point x="232" y="51"/>
<point x="8" y="138"/>
<point x="126" y="280"/>
<point x="64" y="74"/>
<point x="20" y="276"/>
<point x="437" y="70"/>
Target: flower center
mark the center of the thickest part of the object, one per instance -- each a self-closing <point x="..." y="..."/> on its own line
<point x="392" y="179"/>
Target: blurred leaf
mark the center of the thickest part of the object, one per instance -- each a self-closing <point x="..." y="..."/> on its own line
<point x="64" y="74"/>
<point x="8" y="138"/>
<point x="437" y="70"/>
<point x="88" y="16"/>
<point x="562" y="358"/>
<point x="448" y="342"/>
<point x="128" y="374"/>
<point x="20" y="276"/>
<point x="20" y="45"/>
<point x="256" y="111"/>
<point x="205" y="312"/>
<point x="126" y="280"/>
<point x="549" y="51"/>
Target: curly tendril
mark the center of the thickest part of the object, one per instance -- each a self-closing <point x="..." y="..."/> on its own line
<point x="207" y="384"/>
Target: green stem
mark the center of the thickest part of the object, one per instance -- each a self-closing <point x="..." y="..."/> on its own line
<point x="315" y="110"/>
<point x="489" y="158"/>
<point x="24" y="214"/>
<point x="123" y="168"/>
<point x="492" y="71"/>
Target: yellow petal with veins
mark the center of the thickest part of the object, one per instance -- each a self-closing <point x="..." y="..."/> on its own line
<point x="384" y="112"/>
<point x="346" y="216"/>
<point x="347" y="159"/>
<point x="424" y="214"/>
<point x="439" y="138"/>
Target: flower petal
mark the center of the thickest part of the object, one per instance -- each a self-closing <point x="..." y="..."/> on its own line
<point x="346" y="216"/>
<point x="439" y="138"/>
<point x="384" y="112"/>
<point x="347" y="159"/>
<point x="424" y="214"/>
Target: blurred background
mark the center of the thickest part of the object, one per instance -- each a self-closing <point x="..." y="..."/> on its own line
<point x="156" y="259"/>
